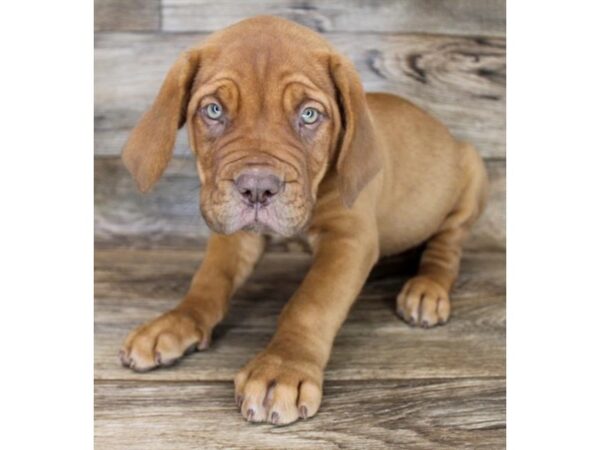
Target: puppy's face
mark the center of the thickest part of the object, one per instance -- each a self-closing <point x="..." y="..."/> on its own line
<point x="270" y="109"/>
<point x="261" y="120"/>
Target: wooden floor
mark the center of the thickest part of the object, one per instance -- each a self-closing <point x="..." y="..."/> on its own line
<point x="387" y="385"/>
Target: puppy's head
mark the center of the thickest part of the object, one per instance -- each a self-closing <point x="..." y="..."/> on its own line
<point x="271" y="108"/>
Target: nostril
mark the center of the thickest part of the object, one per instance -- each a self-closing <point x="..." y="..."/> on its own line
<point x="258" y="187"/>
<point x="246" y="193"/>
<point x="265" y="196"/>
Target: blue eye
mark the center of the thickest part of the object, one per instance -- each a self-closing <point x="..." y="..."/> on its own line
<point x="214" y="111"/>
<point x="310" y="115"/>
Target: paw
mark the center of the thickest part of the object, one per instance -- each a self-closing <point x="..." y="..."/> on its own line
<point x="423" y="302"/>
<point x="162" y="341"/>
<point x="273" y="389"/>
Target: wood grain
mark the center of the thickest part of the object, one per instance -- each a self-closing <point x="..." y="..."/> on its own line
<point x="169" y="215"/>
<point x="132" y="287"/>
<point x="126" y="15"/>
<point x="460" y="80"/>
<point x="423" y="16"/>
<point x="387" y="385"/>
<point x="413" y="414"/>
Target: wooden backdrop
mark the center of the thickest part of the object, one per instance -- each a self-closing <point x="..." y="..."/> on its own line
<point x="448" y="56"/>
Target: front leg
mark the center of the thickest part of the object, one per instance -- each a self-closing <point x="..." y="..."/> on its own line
<point x="227" y="263"/>
<point x="284" y="382"/>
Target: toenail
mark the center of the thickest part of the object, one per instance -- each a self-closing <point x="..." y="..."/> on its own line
<point x="203" y="345"/>
<point x="303" y="412"/>
<point x="123" y="357"/>
<point x="239" y="400"/>
<point x="190" y="349"/>
<point x="425" y="324"/>
<point x="169" y="362"/>
<point x="274" y="417"/>
<point x="157" y="358"/>
<point x="250" y="414"/>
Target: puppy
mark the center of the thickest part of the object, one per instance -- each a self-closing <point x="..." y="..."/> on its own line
<point x="286" y="142"/>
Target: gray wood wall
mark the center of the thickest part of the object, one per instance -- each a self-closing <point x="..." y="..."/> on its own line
<point x="448" y="56"/>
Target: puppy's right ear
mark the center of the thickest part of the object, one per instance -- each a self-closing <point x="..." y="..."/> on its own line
<point x="150" y="144"/>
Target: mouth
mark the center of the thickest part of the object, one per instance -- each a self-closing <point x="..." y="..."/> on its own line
<point x="264" y="219"/>
<point x="282" y="215"/>
<point x="259" y="218"/>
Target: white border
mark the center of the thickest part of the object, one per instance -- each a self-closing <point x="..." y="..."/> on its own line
<point x="46" y="234"/>
<point x="553" y="224"/>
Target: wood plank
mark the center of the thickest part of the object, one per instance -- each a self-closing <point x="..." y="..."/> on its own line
<point x="489" y="232"/>
<point x="169" y="215"/>
<point x="126" y="15"/>
<point x="423" y="16"/>
<point x="132" y="287"/>
<point x="412" y="414"/>
<point x="460" y="80"/>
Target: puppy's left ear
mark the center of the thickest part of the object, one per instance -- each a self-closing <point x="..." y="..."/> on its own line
<point x="150" y="144"/>
<point x="359" y="157"/>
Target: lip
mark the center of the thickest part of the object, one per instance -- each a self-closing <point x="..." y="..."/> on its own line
<point x="270" y="218"/>
<point x="261" y="219"/>
<point x="256" y="216"/>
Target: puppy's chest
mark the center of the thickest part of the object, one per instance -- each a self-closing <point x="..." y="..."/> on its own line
<point x="301" y="243"/>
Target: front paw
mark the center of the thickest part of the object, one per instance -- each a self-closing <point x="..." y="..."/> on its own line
<point x="162" y="341"/>
<point x="423" y="302"/>
<point x="277" y="389"/>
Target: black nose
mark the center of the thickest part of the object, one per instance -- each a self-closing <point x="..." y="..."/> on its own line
<point x="258" y="185"/>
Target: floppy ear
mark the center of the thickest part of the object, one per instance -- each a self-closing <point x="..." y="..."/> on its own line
<point x="359" y="158"/>
<point x="150" y="144"/>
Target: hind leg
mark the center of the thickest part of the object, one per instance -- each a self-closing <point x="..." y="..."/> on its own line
<point x="424" y="299"/>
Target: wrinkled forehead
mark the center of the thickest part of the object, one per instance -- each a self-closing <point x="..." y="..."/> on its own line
<point x="264" y="65"/>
